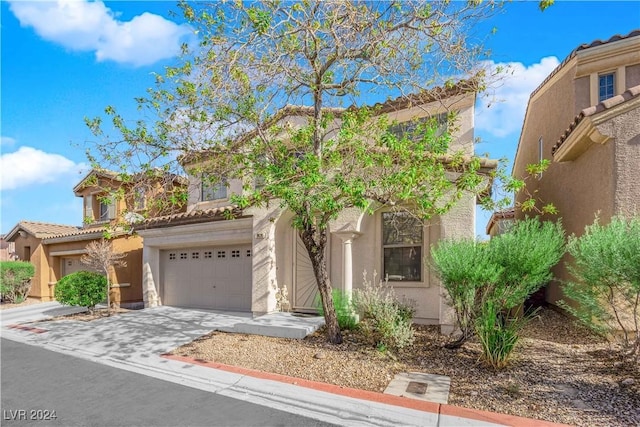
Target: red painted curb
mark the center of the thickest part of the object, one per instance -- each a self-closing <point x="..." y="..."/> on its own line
<point x="404" y="402"/>
<point x="28" y="329"/>
<point x="494" y="417"/>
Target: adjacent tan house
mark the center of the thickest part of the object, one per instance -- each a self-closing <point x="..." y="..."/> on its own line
<point x="7" y="250"/>
<point x="585" y="119"/>
<point x="500" y="222"/>
<point x="200" y="259"/>
<point x="55" y="250"/>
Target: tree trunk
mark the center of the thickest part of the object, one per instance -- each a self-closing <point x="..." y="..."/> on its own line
<point x="315" y="242"/>
<point x="108" y="296"/>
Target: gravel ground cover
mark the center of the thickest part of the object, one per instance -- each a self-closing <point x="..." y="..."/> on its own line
<point x="27" y="301"/>
<point x="560" y="372"/>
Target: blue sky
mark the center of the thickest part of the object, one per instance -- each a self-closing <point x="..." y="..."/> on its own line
<point x="64" y="60"/>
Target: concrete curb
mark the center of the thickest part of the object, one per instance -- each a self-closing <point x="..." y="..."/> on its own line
<point x="141" y="350"/>
<point x="432" y="407"/>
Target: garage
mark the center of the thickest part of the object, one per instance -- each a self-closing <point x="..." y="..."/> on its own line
<point x="217" y="278"/>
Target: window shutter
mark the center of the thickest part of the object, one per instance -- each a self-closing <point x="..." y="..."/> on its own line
<point x="88" y="206"/>
<point x="112" y="207"/>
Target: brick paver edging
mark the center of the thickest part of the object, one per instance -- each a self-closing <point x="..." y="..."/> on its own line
<point x="28" y="328"/>
<point x="449" y="410"/>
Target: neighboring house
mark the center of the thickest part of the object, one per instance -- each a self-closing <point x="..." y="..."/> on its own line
<point x="500" y="222"/>
<point x="7" y="250"/>
<point x="201" y="259"/>
<point x="585" y="119"/>
<point x="56" y="250"/>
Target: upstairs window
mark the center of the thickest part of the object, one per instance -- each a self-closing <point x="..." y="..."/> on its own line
<point x="401" y="247"/>
<point x="213" y="191"/>
<point x="140" y="201"/>
<point x="605" y="86"/>
<point x="409" y="128"/>
<point x="107" y="210"/>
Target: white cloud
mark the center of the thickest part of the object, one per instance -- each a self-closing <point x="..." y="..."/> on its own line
<point x="502" y="111"/>
<point x="7" y="141"/>
<point x="91" y="26"/>
<point x="29" y="166"/>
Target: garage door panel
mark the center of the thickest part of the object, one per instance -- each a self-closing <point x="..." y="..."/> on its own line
<point x="210" y="277"/>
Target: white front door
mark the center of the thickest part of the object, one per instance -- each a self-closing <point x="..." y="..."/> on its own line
<point x="305" y="290"/>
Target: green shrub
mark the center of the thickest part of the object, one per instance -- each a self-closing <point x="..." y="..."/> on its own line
<point x="345" y="310"/>
<point x="83" y="288"/>
<point x="15" y="280"/>
<point x="485" y="281"/>
<point x="465" y="270"/>
<point x="498" y="333"/>
<point x="385" y="318"/>
<point x="526" y="255"/>
<point x="606" y="266"/>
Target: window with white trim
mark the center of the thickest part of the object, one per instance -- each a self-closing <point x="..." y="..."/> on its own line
<point x="606" y="86"/>
<point x="401" y="247"/>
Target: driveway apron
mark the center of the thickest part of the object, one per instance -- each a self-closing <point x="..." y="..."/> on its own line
<point x="135" y="334"/>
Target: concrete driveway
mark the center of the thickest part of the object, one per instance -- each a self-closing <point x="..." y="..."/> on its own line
<point x="142" y="333"/>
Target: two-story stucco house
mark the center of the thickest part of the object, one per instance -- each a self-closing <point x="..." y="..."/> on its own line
<point x="585" y="119"/>
<point x="55" y="250"/>
<point x="201" y="259"/>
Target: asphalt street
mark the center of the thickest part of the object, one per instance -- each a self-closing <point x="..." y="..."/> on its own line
<point x="45" y="388"/>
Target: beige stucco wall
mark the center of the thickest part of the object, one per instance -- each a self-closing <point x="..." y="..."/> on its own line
<point x="548" y="114"/>
<point x="38" y="257"/>
<point x="626" y="130"/>
<point x="578" y="189"/>
<point x="603" y="180"/>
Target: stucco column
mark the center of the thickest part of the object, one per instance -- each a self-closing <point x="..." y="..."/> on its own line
<point x="150" y="269"/>
<point x="347" y="260"/>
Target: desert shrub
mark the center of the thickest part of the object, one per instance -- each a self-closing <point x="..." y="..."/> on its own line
<point x="485" y="281"/>
<point x="606" y="266"/>
<point x="464" y="270"/>
<point x="526" y="255"/>
<point x="498" y="333"/>
<point x="83" y="288"/>
<point x="386" y="319"/>
<point x="345" y="310"/>
<point x="15" y="280"/>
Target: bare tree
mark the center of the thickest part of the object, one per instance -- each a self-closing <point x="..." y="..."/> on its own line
<point x="101" y="257"/>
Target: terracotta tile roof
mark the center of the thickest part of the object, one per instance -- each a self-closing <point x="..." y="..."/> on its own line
<point x="77" y="232"/>
<point x="114" y="176"/>
<point x="583" y="46"/>
<point x="602" y="106"/>
<point x="400" y="103"/>
<point x="509" y="213"/>
<point x="611" y="39"/>
<point x="41" y="229"/>
<point x="193" y="217"/>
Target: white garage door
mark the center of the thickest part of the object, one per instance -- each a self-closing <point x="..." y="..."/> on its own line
<point x="216" y="278"/>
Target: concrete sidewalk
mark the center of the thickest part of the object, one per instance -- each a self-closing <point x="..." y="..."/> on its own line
<point x="136" y="341"/>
